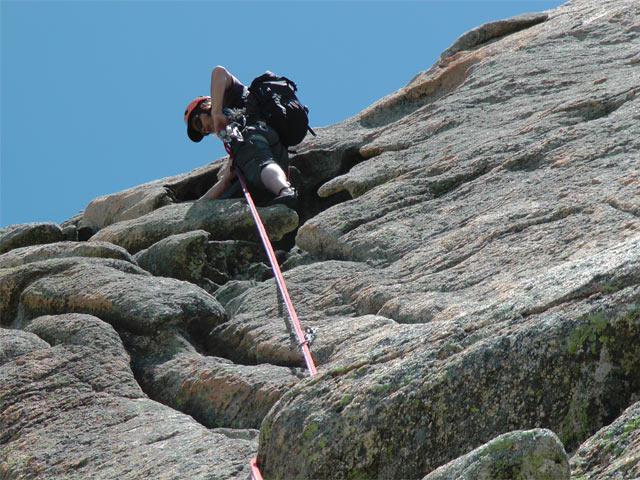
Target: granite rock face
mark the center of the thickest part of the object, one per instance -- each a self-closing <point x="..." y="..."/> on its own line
<point x="613" y="452"/>
<point x="468" y="248"/>
<point x="213" y="390"/>
<point x="533" y="454"/>
<point x="22" y="235"/>
<point x="142" y="199"/>
<point x="65" y="249"/>
<point x="494" y="225"/>
<point x="72" y="409"/>
<point x="223" y="219"/>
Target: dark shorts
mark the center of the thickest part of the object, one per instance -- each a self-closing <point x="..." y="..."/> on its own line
<point x="261" y="146"/>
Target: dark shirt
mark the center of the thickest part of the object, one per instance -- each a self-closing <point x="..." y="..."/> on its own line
<point x="237" y="96"/>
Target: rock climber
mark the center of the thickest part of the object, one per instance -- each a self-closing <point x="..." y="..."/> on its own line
<point x="259" y="155"/>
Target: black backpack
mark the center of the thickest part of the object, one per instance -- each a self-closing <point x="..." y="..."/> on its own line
<point x="276" y="99"/>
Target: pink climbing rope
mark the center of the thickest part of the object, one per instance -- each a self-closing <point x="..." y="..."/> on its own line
<point x="255" y="472"/>
<point x="279" y="279"/>
<point x="282" y="287"/>
<point x="253" y="463"/>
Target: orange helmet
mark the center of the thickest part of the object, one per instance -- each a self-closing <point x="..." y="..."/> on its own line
<point x="193" y="135"/>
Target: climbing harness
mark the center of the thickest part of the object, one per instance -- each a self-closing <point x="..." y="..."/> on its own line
<point x="306" y="337"/>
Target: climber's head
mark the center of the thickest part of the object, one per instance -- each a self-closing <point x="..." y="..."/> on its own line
<point x="197" y="116"/>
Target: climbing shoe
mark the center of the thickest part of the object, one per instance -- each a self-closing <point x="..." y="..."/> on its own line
<point x="287" y="196"/>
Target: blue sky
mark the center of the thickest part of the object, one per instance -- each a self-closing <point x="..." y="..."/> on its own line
<point x="93" y="91"/>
